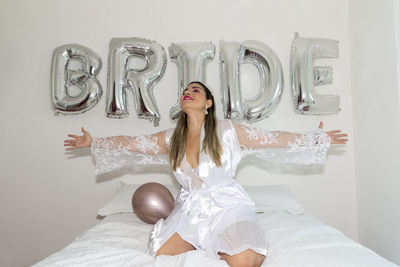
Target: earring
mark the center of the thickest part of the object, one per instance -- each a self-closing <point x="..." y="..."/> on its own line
<point x="206" y="111"/>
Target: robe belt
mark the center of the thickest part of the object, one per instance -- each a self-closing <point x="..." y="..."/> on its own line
<point x="200" y="202"/>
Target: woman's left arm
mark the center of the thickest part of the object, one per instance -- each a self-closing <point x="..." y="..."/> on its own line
<point x="304" y="148"/>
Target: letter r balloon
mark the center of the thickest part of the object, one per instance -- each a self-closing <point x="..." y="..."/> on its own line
<point x="122" y="77"/>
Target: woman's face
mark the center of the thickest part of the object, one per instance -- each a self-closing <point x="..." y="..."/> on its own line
<point x="194" y="98"/>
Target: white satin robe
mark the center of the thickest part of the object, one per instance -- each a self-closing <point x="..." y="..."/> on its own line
<point x="212" y="211"/>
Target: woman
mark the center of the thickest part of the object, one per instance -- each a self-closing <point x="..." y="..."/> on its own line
<point x="212" y="211"/>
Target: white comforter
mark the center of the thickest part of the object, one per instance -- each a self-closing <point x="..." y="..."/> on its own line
<point x="294" y="240"/>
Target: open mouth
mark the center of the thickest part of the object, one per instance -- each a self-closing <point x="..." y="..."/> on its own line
<point x="187" y="98"/>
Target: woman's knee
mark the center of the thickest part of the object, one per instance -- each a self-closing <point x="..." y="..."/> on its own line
<point x="174" y="245"/>
<point x="247" y="258"/>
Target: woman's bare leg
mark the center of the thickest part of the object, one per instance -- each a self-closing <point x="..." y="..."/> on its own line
<point x="175" y="245"/>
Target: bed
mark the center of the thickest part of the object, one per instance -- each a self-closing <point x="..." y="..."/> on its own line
<point x="295" y="237"/>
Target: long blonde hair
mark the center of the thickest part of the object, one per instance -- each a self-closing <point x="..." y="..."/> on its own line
<point x="211" y="144"/>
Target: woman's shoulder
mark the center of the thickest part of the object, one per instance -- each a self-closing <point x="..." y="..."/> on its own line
<point x="225" y="124"/>
<point x="168" y="134"/>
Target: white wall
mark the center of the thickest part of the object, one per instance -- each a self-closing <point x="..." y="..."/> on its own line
<point x="48" y="196"/>
<point x="374" y="71"/>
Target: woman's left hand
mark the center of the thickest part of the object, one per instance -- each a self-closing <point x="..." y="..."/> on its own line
<point x="335" y="135"/>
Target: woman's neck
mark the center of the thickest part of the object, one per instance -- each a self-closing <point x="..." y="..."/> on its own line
<point x="195" y="122"/>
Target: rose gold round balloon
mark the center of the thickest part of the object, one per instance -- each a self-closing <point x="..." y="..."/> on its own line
<point x="152" y="201"/>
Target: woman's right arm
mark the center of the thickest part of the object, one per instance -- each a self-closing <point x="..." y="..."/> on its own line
<point x="117" y="151"/>
<point x="78" y="141"/>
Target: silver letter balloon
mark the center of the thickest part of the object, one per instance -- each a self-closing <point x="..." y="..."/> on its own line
<point x="191" y="59"/>
<point x="122" y="76"/>
<point x="304" y="76"/>
<point x="232" y="56"/>
<point x="75" y="88"/>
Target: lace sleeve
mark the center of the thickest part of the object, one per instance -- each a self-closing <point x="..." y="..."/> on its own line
<point x="111" y="153"/>
<point x="303" y="148"/>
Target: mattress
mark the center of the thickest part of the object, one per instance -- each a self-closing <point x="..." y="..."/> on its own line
<point x="294" y="240"/>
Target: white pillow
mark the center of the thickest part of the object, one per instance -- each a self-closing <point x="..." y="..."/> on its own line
<point x="273" y="198"/>
<point x="122" y="201"/>
<point x="268" y="198"/>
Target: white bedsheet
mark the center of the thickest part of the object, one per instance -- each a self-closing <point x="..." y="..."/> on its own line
<point x="294" y="240"/>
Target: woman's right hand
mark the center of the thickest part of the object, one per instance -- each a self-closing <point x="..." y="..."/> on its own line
<point x="84" y="140"/>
